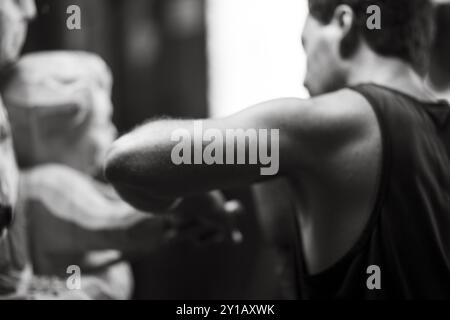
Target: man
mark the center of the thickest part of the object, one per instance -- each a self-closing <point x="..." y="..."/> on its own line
<point x="367" y="157"/>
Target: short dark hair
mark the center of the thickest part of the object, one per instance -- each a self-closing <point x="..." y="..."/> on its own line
<point x="406" y="32"/>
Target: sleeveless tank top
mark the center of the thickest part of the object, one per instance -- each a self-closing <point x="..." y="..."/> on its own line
<point x="404" y="251"/>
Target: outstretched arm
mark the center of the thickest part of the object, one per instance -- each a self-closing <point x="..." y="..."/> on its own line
<point x="163" y="160"/>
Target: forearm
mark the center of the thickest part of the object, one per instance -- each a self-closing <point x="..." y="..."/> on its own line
<point x="147" y="161"/>
<point x="144" y="200"/>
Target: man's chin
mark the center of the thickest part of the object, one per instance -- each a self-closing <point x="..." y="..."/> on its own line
<point x="318" y="91"/>
<point x="313" y="92"/>
<point x="314" y="89"/>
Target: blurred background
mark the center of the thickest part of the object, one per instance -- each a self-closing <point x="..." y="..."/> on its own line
<point x="191" y="59"/>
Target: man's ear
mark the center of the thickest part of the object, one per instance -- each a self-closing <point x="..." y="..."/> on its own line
<point x="344" y="18"/>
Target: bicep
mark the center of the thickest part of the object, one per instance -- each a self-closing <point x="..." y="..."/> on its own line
<point x="309" y="131"/>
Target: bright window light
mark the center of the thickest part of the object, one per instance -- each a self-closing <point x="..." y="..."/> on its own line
<point x="255" y="53"/>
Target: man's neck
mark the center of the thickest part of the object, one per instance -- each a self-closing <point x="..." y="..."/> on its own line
<point x="389" y="72"/>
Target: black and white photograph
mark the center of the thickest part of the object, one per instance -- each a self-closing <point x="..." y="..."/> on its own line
<point x="229" y="157"/>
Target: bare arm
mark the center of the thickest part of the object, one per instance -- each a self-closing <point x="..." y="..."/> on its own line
<point x="142" y="163"/>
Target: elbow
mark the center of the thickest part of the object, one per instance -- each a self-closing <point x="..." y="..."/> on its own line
<point x="119" y="169"/>
<point x="116" y="165"/>
<point x="129" y="165"/>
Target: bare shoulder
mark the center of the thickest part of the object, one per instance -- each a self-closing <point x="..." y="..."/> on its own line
<point x="326" y="113"/>
<point x="344" y="109"/>
<point x="334" y="119"/>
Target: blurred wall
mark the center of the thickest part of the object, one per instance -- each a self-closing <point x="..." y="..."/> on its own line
<point x="156" y="49"/>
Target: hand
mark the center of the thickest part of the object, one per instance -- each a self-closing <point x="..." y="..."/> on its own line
<point x="206" y="219"/>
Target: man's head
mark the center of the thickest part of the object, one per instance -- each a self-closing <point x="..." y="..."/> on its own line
<point x="14" y="18"/>
<point x="336" y="31"/>
<point x="60" y="109"/>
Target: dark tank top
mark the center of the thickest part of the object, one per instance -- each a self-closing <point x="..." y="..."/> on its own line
<point x="407" y="238"/>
